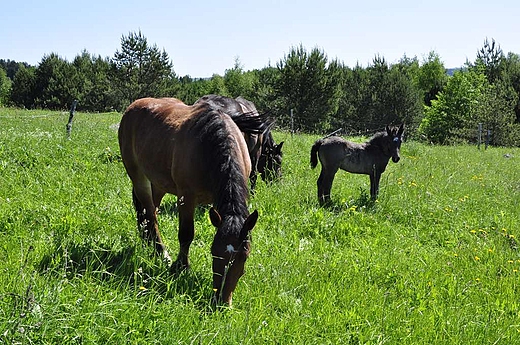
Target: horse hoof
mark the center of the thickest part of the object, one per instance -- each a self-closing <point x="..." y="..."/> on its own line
<point x="178" y="267"/>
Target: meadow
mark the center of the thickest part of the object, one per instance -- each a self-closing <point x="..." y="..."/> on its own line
<point x="434" y="260"/>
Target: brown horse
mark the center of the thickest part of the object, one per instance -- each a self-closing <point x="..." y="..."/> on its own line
<point x="199" y="154"/>
<point x="369" y="158"/>
<point x="263" y="152"/>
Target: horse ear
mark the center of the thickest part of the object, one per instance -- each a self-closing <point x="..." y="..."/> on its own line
<point x="401" y="130"/>
<point x="215" y="218"/>
<point x="388" y="130"/>
<point x="250" y="222"/>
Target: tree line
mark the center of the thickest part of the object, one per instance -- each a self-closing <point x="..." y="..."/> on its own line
<point x="305" y="91"/>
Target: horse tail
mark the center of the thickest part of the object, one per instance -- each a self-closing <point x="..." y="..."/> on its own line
<point x="314" y="153"/>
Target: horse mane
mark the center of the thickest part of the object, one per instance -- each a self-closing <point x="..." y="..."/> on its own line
<point x="259" y="124"/>
<point x="377" y="137"/>
<point x="376" y="141"/>
<point x="225" y="173"/>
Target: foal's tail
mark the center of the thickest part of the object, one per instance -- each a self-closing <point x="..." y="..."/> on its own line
<point x="314" y="153"/>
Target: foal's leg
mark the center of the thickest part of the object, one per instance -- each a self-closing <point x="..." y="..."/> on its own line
<point x="147" y="217"/>
<point x="186" y="233"/>
<point x="325" y="185"/>
<point x="375" y="177"/>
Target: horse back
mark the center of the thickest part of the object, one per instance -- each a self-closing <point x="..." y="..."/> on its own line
<point x="149" y="132"/>
<point x="337" y="153"/>
<point x="160" y="143"/>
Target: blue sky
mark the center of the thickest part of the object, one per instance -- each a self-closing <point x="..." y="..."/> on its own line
<point x="206" y="37"/>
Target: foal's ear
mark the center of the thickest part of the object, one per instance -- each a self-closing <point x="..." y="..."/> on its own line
<point x="388" y="131"/>
<point x="401" y="130"/>
<point x="215" y="218"/>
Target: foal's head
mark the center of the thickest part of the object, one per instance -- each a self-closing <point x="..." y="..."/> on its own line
<point x="393" y="142"/>
<point x="230" y="252"/>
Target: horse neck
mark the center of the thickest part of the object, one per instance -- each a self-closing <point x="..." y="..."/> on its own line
<point x="231" y="203"/>
<point x="222" y="161"/>
<point x="374" y="147"/>
<point x="231" y="197"/>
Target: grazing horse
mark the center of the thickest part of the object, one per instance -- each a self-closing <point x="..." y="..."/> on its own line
<point x="256" y="143"/>
<point x="369" y="158"/>
<point x="199" y="154"/>
<point x="270" y="161"/>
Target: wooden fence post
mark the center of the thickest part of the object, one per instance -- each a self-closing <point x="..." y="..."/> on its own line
<point x="72" y="110"/>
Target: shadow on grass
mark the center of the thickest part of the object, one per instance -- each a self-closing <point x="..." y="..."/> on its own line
<point x="131" y="266"/>
<point x="362" y="202"/>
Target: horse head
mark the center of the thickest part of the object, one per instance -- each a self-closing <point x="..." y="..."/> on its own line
<point x="230" y="253"/>
<point x="270" y="162"/>
<point x="395" y="137"/>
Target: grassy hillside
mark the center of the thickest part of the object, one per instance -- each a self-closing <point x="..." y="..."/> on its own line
<point x="434" y="260"/>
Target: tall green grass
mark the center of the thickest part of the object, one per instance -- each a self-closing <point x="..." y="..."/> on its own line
<point x="434" y="260"/>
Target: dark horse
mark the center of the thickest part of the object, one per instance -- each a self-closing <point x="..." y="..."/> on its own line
<point x="199" y="154"/>
<point x="265" y="155"/>
<point x="370" y="158"/>
<point x="270" y="161"/>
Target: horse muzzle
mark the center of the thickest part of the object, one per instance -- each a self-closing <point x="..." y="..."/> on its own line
<point x="395" y="159"/>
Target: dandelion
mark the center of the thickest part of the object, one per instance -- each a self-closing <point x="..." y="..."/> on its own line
<point x="477" y="177"/>
<point x="515" y="270"/>
<point x="477" y="280"/>
<point x="490" y="250"/>
<point x="477" y="258"/>
<point x="511" y="261"/>
<point x="456" y="255"/>
<point x="473" y="231"/>
<point x="142" y="288"/>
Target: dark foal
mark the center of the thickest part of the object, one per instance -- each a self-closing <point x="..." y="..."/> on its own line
<point x="369" y="158"/>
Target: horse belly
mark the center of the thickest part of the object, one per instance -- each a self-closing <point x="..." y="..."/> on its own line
<point x="353" y="163"/>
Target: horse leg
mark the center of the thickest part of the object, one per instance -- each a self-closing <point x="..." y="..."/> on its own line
<point x="147" y="218"/>
<point x="157" y="196"/>
<point x="375" y="177"/>
<point x="186" y="233"/>
<point x="325" y="185"/>
<point x="252" y="178"/>
<point x="254" y="169"/>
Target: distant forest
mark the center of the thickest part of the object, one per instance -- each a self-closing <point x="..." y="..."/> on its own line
<point x="305" y="91"/>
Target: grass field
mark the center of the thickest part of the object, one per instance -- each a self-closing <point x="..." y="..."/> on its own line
<point x="434" y="261"/>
